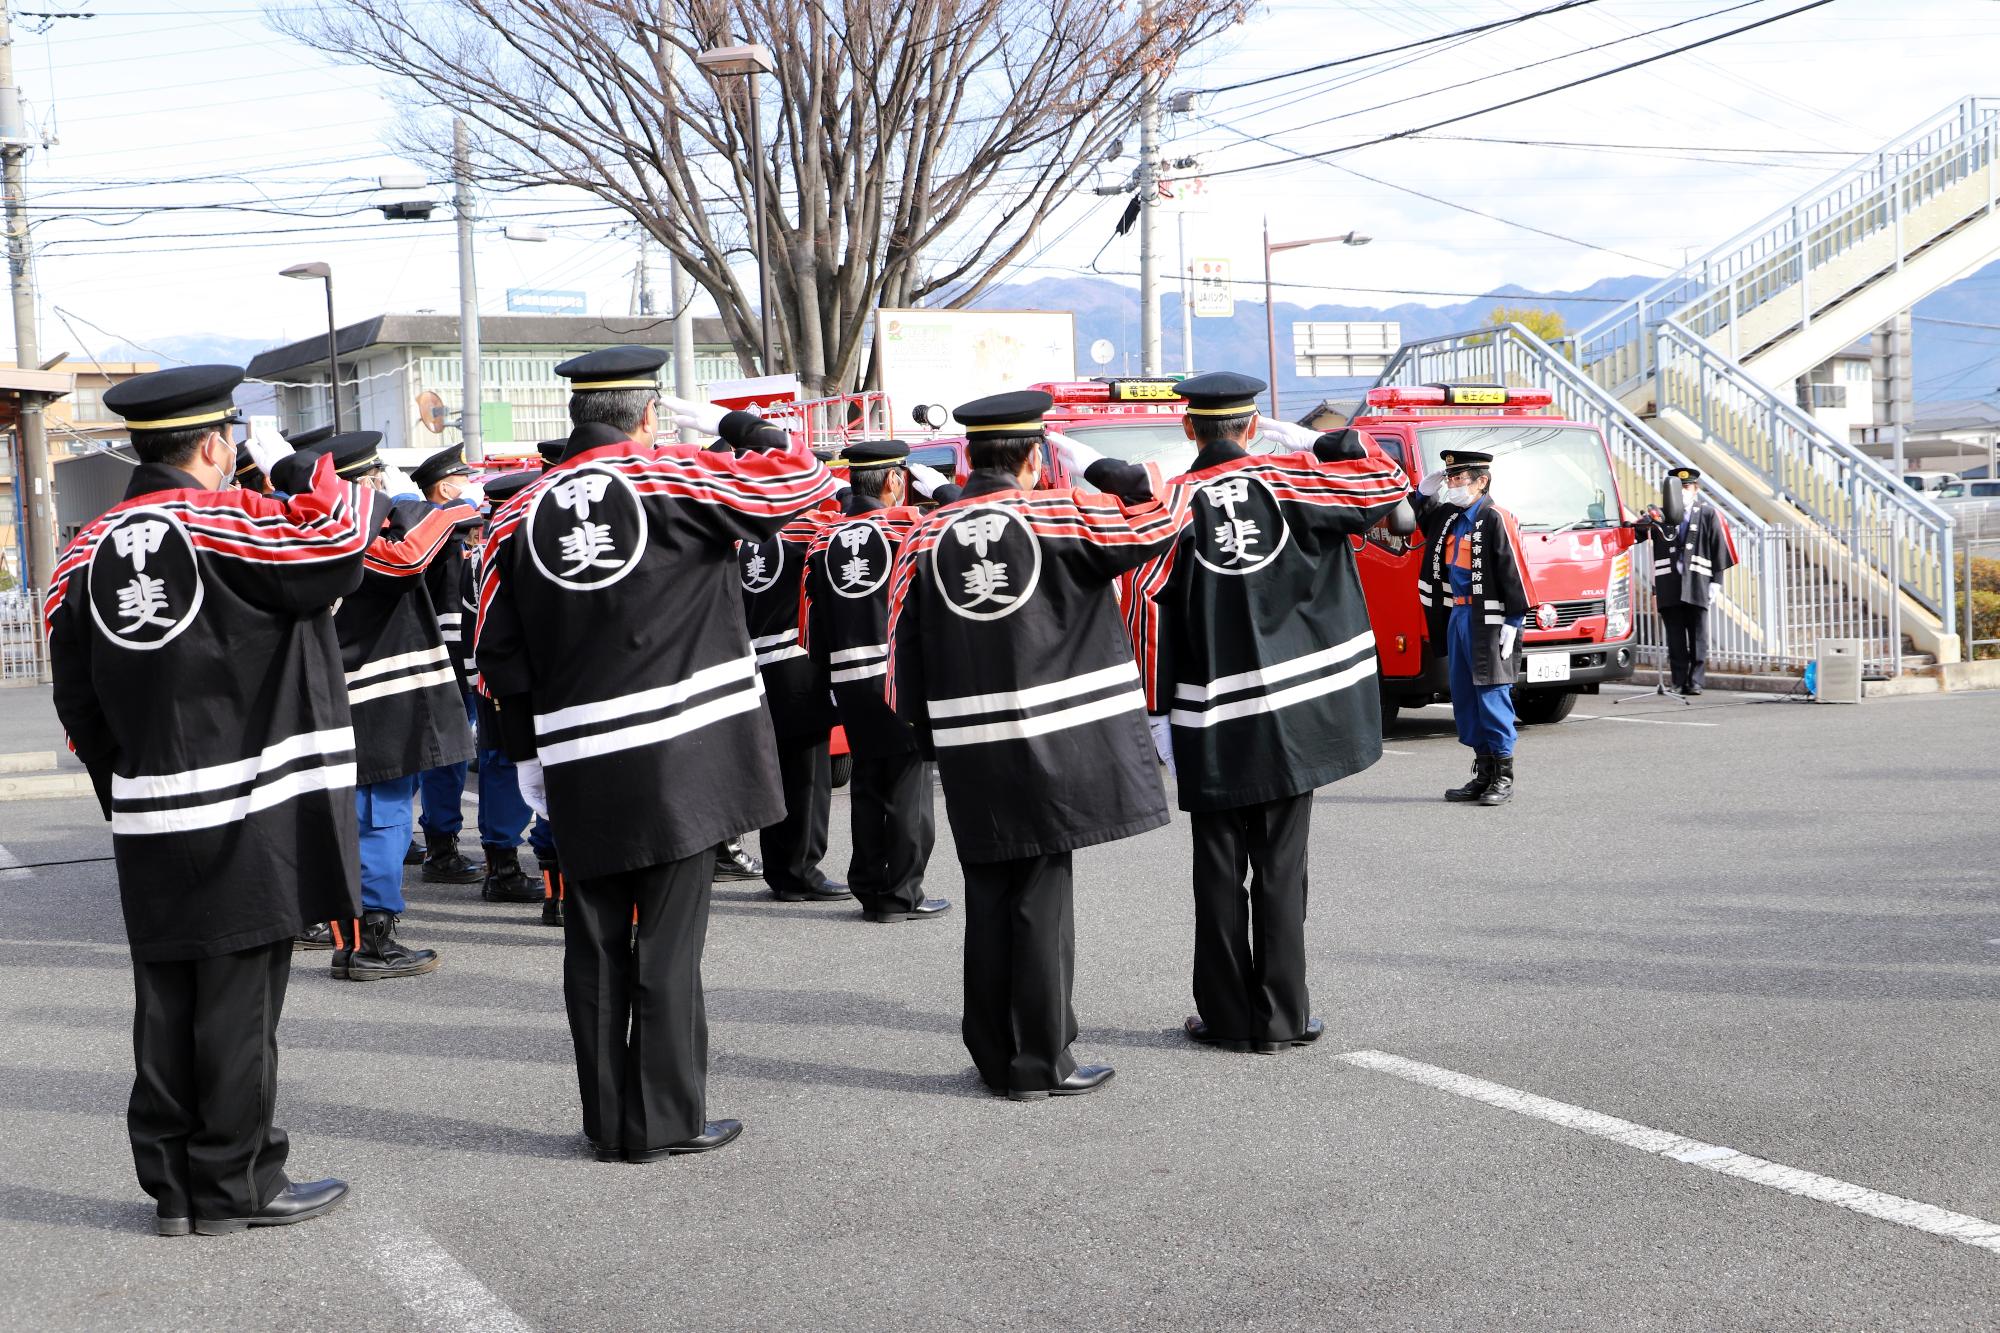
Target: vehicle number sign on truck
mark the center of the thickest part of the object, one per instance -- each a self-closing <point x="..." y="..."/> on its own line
<point x="1547" y="668"/>
<point x="1144" y="391"/>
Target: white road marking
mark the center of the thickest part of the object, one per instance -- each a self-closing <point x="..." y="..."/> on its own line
<point x="1648" y="721"/>
<point x="1404" y="753"/>
<point x="1923" y="1217"/>
<point x="433" y="1285"/>
<point x="10" y="865"/>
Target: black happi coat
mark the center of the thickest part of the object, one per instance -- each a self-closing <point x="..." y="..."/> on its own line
<point x="1501" y="589"/>
<point x="1685" y="567"/>
<point x="444" y="580"/>
<point x="1251" y="630"/>
<point x="611" y="634"/>
<point x="197" y="674"/>
<point x="1009" y="657"/>
<point x="847" y="617"/>
<point x="408" y="713"/>
<point x="773" y="575"/>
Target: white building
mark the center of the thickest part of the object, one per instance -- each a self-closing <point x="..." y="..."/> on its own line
<point x="387" y="361"/>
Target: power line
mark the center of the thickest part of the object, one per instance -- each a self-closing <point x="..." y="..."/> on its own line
<point x="1529" y="97"/>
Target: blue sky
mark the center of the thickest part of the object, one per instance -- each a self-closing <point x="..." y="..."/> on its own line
<point x="157" y="105"/>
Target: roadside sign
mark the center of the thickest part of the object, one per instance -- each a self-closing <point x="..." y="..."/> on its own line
<point x="1186" y="194"/>
<point x="1214" y="294"/>
<point x="1344" y="349"/>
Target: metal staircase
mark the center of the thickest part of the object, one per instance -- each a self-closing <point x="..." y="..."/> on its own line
<point x="1710" y="353"/>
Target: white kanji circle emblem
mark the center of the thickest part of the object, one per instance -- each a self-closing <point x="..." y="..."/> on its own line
<point x="586" y="527"/>
<point x="760" y="565"/>
<point x="986" y="562"/>
<point x="1236" y="524"/>
<point x="145" y="583"/>
<point x="858" y="559"/>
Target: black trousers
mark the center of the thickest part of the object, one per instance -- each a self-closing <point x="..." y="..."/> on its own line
<point x="1020" y="963"/>
<point x="205" y="1045"/>
<point x="636" y="1013"/>
<point x="1250" y="946"/>
<point x="895" y="825"/>
<point x="1687" y="643"/>
<point x="794" y="847"/>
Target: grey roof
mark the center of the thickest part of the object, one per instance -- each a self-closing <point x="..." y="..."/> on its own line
<point x="494" y="331"/>
<point x="1958" y="414"/>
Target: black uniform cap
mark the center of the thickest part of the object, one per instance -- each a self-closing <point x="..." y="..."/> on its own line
<point x="354" y="453"/>
<point x="873" y="453"/>
<point x="552" y="450"/>
<point x="176" y="399"/>
<point x="247" y="470"/>
<point x="292" y="474"/>
<point x="1220" y="393"/>
<point x="1000" y="415"/>
<point x="499" y="490"/>
<point x="306" y="439"/>
<point x="1468" y="460"/>
<point x="1685" y="474"/>
<point x="444" y="463"/>
<point x="626" y="367"/>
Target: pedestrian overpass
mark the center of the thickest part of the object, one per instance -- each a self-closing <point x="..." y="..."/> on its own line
<point x="1699" y="369"/>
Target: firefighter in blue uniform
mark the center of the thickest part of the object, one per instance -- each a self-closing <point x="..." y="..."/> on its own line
<point x="1476" y="596"/>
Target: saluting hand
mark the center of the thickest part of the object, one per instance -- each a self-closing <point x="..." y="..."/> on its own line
<point x="926" y="480"/>
<point x="689" y="415"/>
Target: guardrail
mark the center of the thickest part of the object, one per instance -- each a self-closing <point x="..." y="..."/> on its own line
<point x="24" y="653"/>
<point x="1835" y="239"/>
<point x="1892" y="529"/>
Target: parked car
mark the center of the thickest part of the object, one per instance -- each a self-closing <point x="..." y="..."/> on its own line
<point x="1929" y="481"/>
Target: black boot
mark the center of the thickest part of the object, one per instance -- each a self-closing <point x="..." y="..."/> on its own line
<point x="414" y="856"/>
<point x="552" y="890"/>
<point x="383" y="957"/>
<point x="1482" y="778"/>
<point x="733" y="861"/>
<point x="506" y="882"/>
<point x="1502" y="789"/>
<point x="314" y="937"/>
<point x="444" y="863"/>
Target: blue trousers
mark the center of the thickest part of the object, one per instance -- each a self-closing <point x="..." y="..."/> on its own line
<point x="502" y="812"/>
<point x="384" y="812"/>
<point x="1484" y="713"/>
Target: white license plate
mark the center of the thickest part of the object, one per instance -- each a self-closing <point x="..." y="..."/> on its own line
<point x="1544" y="668"/>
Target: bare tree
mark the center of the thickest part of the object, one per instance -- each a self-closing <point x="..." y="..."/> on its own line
<point x="912" y="145"/>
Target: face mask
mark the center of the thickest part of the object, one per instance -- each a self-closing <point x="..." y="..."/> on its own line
<point x="1688" y="494"/>
<point x="1458" y="497"/>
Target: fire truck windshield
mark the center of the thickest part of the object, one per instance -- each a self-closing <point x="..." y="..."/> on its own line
<point x="1161" y="442"/>
<point x="1548" y="477"/>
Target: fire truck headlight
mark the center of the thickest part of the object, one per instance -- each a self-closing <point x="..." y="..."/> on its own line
<point x="1617" y="624"/>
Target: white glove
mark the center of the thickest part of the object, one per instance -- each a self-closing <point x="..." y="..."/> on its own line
<point x="1429" y="485"/>
<point x="1163" y="740"/>
<point x="472" y="493"/>
<point x="397" y="482"/>
<point x="1292" y="435"/>
<point x="1076" y="456"/>
<point x="266" y="445"/>
<point x="926" y="480"/>
<point x="1714" y="592"/>
<point x="528" y="777"/>
<point x="703" y="417"/>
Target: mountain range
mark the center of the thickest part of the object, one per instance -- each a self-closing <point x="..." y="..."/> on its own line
<point x="1953" y="361"/>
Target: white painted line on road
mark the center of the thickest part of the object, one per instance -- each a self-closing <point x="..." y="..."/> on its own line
<point x="1648" y="721"/>
<point x="1405" y="753"/>
<point x="10" y="865"/>
<point x="435" y="1286"/>
<point x="1924" y="1217"/>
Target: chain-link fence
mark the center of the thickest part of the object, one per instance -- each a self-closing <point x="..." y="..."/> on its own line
<point x="24" y="653"/>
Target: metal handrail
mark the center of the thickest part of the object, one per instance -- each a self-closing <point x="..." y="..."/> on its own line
<point x="1893" y="529"/>
<point x="1877" y="195"/>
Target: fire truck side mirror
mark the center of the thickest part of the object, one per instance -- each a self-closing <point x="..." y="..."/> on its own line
<point x="1672" y="508"/>
<point x="1402" y="520"/>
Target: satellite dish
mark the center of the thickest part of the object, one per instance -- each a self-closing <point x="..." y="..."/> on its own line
<point x="1102" y="351"/>
<point x="430" y="411"/>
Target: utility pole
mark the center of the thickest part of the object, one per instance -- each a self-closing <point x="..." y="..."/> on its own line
<point x="1187" y="300"/>
<point x="1149" y="203"/>
<point x="468" y="299"/>
<point x="642" y="282"/>
<point x="38" y="505"/>
<point x="681" y="292"/>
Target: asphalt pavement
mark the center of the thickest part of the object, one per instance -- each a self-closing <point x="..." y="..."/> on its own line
<point x="1769" y="927"/>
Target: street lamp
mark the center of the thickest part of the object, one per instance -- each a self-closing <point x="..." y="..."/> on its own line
<point x="748" y="61"/>
<point x="1270" y="313"/>
<point x="325" y="274"/>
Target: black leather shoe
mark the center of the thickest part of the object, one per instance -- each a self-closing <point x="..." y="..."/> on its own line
<point x="1482" y="778"/>
<point x="1197" y="1031"/>
<point x="829" y="891"/>
<point x="924" y="911"/>
<point x="604" y="1154"/>
<point x="173" y="1226"/>
<point x="296" y="1202"/>
<point x="383" y="957"/>
<point x="415" y="855"/>
<point x="1315" y="1029"/>
<point x="444" y="863"/>
<point x="733" y="861"/>
<point x="1692" y="689"/>
<point x="1087" y="1078"/>
<point x="313" y="937"/>
<point x="1501" y="789"/>
<point x="505" y="881"/>
<point x="714" y="1135"/>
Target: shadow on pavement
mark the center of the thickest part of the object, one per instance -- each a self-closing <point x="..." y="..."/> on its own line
<point x="84" y="1212"/>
